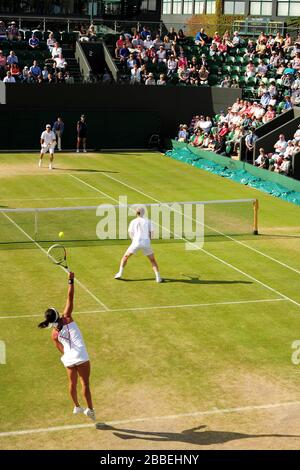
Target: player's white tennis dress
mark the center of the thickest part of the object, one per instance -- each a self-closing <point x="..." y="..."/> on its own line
<point x="74" y="348"/>
<point x="139" y="231"/>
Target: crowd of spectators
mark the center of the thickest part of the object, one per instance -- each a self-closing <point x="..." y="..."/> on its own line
<point x="52" y="68"/>
<point x="280" y="159"/>
<point x="222" y="134"/>
<point x="268" y="65"/>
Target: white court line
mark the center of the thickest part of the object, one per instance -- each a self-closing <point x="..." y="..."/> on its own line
<point x="48" y="198"/>
<point x="64" y="269"/>
<point x="202" y="249"/>
<point x="194" y="414"/>
<point x="159" y="307"/>
<point x="211" y="228"/>
<point x="92" y="187"/>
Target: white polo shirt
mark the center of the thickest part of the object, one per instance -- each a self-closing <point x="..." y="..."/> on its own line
<point x="139" y="230"/>
<point x="48" y="137"/>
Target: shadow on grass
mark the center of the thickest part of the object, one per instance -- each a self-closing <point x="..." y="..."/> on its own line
<point x="191" y="280"/>
<point x="190" y="436"/>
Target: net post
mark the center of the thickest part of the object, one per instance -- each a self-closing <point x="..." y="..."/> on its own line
<point x="255" y="217"/>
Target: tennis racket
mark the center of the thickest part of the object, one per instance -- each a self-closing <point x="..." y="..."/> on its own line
<point x="58" y="255"/>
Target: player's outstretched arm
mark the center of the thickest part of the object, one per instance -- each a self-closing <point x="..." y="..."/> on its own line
<point x="69" y="304"/>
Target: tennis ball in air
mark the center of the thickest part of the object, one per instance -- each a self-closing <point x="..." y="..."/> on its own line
<point x="61" y="234"/>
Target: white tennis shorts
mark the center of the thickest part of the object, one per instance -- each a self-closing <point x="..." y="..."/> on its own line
<point x="135" y="247"/>
<point x="44" y="149"/>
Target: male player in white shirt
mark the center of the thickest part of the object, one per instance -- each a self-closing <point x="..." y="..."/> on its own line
<point x="48" y="142"/>
<point x="140" y="231"/>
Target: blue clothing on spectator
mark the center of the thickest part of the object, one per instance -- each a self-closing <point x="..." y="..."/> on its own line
<point x="33" y="42"/>
<point x="35" y="70"/>
<point x="289" y="70"/>
<point x="58" y="126"/>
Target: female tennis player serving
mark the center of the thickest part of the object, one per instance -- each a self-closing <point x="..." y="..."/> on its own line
<point x="68" y="340"/>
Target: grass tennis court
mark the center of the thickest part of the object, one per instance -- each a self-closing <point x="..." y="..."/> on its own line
<point x="202" y="361"/>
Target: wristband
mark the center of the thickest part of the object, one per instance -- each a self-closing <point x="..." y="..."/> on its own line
<point x="71" y="281"/>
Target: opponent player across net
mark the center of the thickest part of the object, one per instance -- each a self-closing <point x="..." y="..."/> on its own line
<point x="140" y="231"/>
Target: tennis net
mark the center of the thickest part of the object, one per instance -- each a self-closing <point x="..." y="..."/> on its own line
<point x="171" y="221"/>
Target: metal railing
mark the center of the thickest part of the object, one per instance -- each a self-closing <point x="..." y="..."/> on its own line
<point x="84" y="66"/>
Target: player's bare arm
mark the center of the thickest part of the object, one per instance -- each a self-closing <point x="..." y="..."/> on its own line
<point x="70" y="298"/>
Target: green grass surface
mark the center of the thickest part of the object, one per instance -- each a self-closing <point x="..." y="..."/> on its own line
<point x="146" y="360"/>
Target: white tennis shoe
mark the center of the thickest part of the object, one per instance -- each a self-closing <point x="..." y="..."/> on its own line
<point x="90" y="414"/>
<point x="50" y="167"/>
<point x="118" y="275"/>
<point x="40" y="163"/>
<point x="77" y="410"/>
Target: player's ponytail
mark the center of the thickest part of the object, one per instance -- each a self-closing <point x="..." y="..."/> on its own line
<point x="51" y="316"/>
<point x="43" y="324"/>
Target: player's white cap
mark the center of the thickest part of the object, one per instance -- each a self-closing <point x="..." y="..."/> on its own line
<point x="48" y="125"/>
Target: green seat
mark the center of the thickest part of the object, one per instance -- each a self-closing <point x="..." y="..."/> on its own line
<point x="214" y="69"/>
<point x="243" y="69"/>
<point x="230" y="60"/>
<point x="236" y="69"/>
<point x="242" y="81"/>
<point x="251" y="81"/>
<point x="213" y="79"/>
<point x="280" y="107"/>
<point x="226" y="69"/>
<point x="239" y="60"/>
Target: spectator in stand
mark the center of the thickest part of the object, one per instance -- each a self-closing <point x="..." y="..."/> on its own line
<point x="124" y="54"/>
<point x="296" y="62"/>
<point x="297" y="134"/>
<point x="136" y="41"/>
<point x="180" y="36"/>
<point x="161" y="55"/>
<point x="260" y="158"/>
<point x="183" y="75"/>
<point x="13" y="32"/>
<point x="287" y="44"/>
<point x="33" y="42"/>
<point x="68" y="79"/>
<point x="250" y="70"/>
<point x="172" y="35"/>
<point x="35" y="69"/>
<point x="9" y="78"/>
<point x="202" y="38"/>
<point x="3" y="61"/>
<point x="131" y="61"/>
<point x="56" y="50"/>
<point x="287" y="103"/>
<point x="203" y="75"/>
<point x="3" y="35"/>
<point x="119" y="45"/>
<point x="51" y="79"/>
<point x="281" y="145"/>
<point x="262" y="69"/>
<point x="51" y="41"/>
<point x="226" y="82"/>
<point x="236" y="40"/>
<point x="12" y="58"/>
<point x="28" y="77"/>
<point x="136" y="77"/>
<point x="269" y="115"/>
<point x="167" y="45"/>
<point x="148" y="42"/>
<point x="145" y="32"/>
<point x="278" y="42"/>
<point x="157" y="42"/>
<point x="150" y="80"/>
<point x="172" y="65"/>
<point x="45" y="73"/>
<point x="15" y="71"/>
<point x="162" y="80"/>
<point x="60" y="77"/>
<point x="289" y="151"/>
<point x="193" y="76"/>
<point x="91" y="33"/>
<point x="251" y="49"/>
<point x="197" y="138"/>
